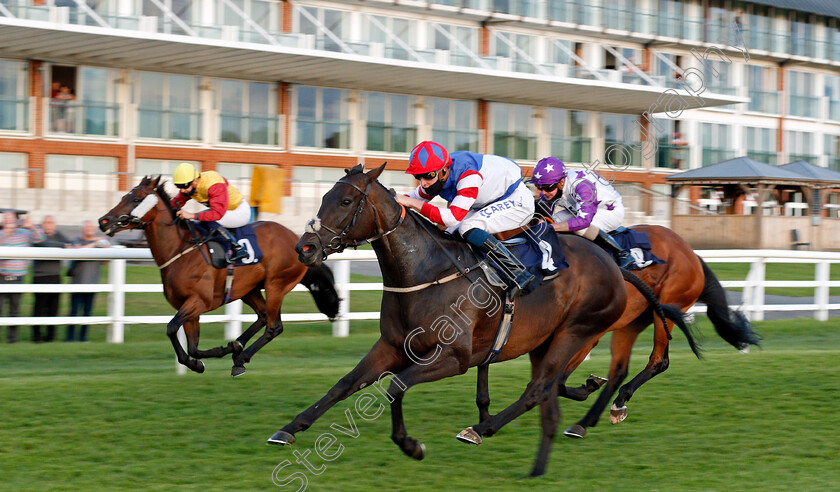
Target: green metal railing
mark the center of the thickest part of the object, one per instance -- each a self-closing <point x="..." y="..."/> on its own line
<point x="84" y="118"/>
<point x="256" y="129"/>
<point x="14" y="114"/>
<point x="322" y="134"/>
<point x="390" y="138"/>
<point x="168" y="124"/>
<point x="572" y="149"/>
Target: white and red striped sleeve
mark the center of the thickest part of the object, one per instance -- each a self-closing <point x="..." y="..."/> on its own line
<point x="419" y="194"/>
<point x="467" y="188"/>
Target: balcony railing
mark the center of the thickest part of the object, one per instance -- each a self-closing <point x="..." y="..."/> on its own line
<point x="572" y="149"/>
<point x="672" y="156"/>
<point x="168" y="124"/>
<point x="322" y="134"/>
<point x="620" y="155"/>
<point x="14" y="114"/>
<point x="834" y="163"/>
<point x="713" y="155"/>
<point x="389" y="138"/>
<point x="813" y="159"/>
<point x="515" y="145"/>
<point x="764" y="101"/>
<point x="257" y="129"/>
<point x="767" y="157"/>
<point x="803" y="106"/>
<point x="456" y="140"/>
<point x="84" y="118"/>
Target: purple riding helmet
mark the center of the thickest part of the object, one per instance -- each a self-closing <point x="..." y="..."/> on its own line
<point x="548" y="171"/>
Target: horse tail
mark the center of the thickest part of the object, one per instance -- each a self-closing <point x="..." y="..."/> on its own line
<point x="731" y="325"/>
<point x="321" y="284"/>
<point x="664" y="311"/>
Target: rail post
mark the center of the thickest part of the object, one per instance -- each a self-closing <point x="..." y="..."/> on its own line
<point x="821" y="272"/>
<point x="233" y="327"/>
<point x="116" y="300"/>
<point x="341" y="271"/>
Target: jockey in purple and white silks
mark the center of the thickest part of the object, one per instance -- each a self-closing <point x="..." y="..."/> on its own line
<point x="581" y="202"/>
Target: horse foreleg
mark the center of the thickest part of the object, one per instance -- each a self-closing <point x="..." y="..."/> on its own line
<point x="450" y="362"/>
<point x="549" y="420"/>
<point x="274" y="327"/>
<point x="657" y="364"/>
<point x="592" y="383"/>
<point x="622" y="343"/>
<point x="255" y="300"/>
<point x="192" y="330"/>
<point x="482" y="392"/>
<point x="172" y="332"/>
<point x="382" y="360"/>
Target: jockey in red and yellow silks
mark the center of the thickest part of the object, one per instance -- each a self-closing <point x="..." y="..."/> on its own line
<point x="225" y="203"/>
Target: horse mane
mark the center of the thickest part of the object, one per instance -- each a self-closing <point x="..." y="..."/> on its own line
<point x="160" y="189"/>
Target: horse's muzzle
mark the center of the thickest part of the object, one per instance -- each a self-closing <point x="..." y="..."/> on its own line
<point x="109" y="226"/>
<point x="309" y="252"/>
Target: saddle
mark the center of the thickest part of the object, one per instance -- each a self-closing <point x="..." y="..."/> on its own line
<point x="638" y="244"/>
<point x="219" y="246"/>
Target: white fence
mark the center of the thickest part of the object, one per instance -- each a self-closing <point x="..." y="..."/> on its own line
<point x="753" y="304"/>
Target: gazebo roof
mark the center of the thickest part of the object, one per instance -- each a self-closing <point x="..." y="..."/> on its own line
<point x="742" y="170"/>
<point x="805" y="168"/>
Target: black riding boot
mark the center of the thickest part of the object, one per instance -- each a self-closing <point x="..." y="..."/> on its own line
<point x="237" y="250"/>
<point x="607" y="242"/>
<point x="518" y="277"/>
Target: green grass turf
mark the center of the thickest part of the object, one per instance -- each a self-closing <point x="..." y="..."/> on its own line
<point x="99" y="416"/>
<point x="777" y="271"/>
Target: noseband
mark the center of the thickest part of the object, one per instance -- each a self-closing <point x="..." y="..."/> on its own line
<point x="126" y="220"/>
<point x="338" y="243"/>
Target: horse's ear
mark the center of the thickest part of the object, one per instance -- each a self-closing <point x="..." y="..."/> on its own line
<point x="358" y="168"/>
<point x="156" y="181"/>
<point x="374" y="174"/>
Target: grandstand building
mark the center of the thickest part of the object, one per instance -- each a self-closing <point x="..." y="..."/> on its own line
<point x="94" y="93"/>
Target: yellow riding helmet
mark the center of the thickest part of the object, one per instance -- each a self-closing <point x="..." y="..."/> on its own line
<point x="184" y="173"/>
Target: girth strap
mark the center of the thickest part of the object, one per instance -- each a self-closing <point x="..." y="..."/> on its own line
<point x="502" y="333"/>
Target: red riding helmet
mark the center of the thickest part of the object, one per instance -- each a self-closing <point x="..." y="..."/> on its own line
<point x="426" y="157"/>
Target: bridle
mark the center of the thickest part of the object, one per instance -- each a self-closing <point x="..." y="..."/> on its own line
<point x="126" y="220"/>
<point x="338" y="243"/>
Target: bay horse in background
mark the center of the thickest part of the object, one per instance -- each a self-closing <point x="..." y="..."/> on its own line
<point x="420" y="339"/>
<point x="192" y="286"/>
<point x="680" y="282"/>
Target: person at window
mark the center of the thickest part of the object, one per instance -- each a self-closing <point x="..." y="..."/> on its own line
<point x="581" y="202"/>
<point x="227" y="206"/>
<point x="47" y="272"/>
<point x="485" y="194"/>
<point x="13" y="270"/>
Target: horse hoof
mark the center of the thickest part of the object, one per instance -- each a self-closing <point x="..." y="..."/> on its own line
<point x="420" y="452"/>
<point x="594" y="382"/>
<point x="282" y="438"/>
<point x="618" y="414"/>
<point x="199" y="367"/>
<point x="576" y="430"/>
<point x="469" y="436"/>
<point x="237" y="371"/>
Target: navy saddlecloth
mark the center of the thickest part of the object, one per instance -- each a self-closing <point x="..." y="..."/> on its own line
<point x="244" y="235"/>
<point x="639" y="246"/>
<point x="538" y="249"/>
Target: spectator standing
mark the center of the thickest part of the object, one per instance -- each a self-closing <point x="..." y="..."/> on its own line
<point x="84" y="272"/>
<point x="12" y="271"/>
<point x="47" y="272"/>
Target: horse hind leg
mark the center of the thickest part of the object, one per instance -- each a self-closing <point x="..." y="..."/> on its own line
<point x="482" y="392"/>
<point x="658" y="363"/>
<point x="192" y="330"/>
<point x="274" y="326"/>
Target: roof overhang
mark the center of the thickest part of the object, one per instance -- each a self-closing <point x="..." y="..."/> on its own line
<point x="139" y="50"/>
<point x="741" y="181"/>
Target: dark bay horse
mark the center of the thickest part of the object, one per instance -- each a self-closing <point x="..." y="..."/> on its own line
<point x="680" y="282"/>
<point x="194" y="287"/>
<point x="442" y="329"/>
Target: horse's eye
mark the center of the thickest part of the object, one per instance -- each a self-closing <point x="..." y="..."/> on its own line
<point x="138" y="199"/>
<point x="346" y="202"/>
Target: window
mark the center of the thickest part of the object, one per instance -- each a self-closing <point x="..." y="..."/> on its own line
<point x="81" y="173"/>
<point x="454" y="123"/>
<point x="335" y="21"/>
<point x="400" y="29"/>
<point x="568" y="135"/>
<point x="82" y="101"/>
<point x="263" y="13"/>
<point x="831" y="147"/>
<point x="801" y="42"/>
<point x="832" y="92"/>
<point x="622" y="140"/>
<point x="248" y="112"/>
<point x="802" y="100"/>
<point x="514" y="131"/>
<point x="321" y="118"/>
<point x="390" y="122"/>
<point x="519" y="48"/>
<point x="14" y="103"/>
<point x="764" y="98"/>
<point x="168" y="106"/>
<point x="717" y="146"/>
<point x="152" y="167"/>
<point x="800" y="147"/>
<point x="761" y="144"/>
<point x="671" y="147"/>
<point x="182" y="9"/>
<point x="444" y="37"/>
